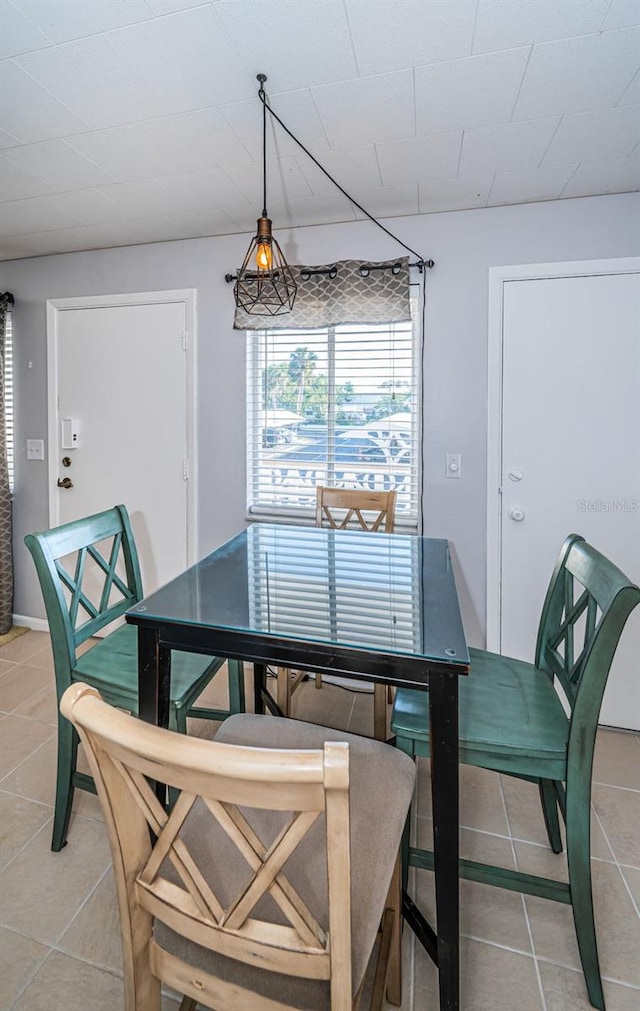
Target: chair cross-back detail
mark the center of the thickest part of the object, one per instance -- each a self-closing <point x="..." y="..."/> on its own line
<point x="245" y="896"/>
<point x="112" y="581"/>
<point x="89" y="575"/>
<point x="347" y="508"/>
<point x="342" y="509"/>
<point x="512" y="721"/>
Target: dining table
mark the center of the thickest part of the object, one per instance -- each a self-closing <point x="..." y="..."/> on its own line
<point x="371" y="608"/>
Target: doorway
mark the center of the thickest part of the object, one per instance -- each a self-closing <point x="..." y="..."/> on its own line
<point x="121" y="419"/>
<point x="564" y="445"/>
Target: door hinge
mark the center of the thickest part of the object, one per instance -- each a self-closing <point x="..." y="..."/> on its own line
<point x="185" y="470"/>
<point x="184" y="341"/>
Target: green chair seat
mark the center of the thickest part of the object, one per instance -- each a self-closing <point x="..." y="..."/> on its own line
<point x="528" y="724"/>
<point x="511" y="720"/>
<point x="108" y="666"/>
<point x="78" y="607"/>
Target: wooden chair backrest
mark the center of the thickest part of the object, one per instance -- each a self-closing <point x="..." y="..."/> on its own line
<point x="340" y="508"/>
<point x="100" y="548"/>
<point x="124" y="753"/>
<point x="587" y="604"/>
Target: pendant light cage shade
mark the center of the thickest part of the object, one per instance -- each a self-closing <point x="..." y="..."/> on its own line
<point x="265" y="292"/>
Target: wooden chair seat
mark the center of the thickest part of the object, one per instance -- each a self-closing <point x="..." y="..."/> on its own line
<point x="264" y="887"/>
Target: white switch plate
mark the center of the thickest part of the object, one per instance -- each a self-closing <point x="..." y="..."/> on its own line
<point x="454" y="464"/>
<point x="35" y="449"/>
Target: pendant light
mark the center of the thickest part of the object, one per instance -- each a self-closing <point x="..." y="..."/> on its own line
<point x="264" y="284"/>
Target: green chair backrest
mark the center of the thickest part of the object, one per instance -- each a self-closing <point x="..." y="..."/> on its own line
<point x="587" y="604"/>
<point x="72" y="614"/>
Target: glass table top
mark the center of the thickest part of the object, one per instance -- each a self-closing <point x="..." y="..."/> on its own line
<point x="390" y="593"/>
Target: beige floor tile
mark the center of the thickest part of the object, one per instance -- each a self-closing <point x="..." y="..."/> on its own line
<point x="361" y="719"/>
<point x="25" y="646"/>
<point x="18" y="740"/>
<point x="490" y="914"/>
<point x="42" y="658"/>
<point x="565" y="990"/>
<point x="330" y="706"/>
<point x="42" y="706"/>
<point x="20" y="685"/>
<point x="619" y="811"/>
<point x="632" y="877"/>
<point x="20" y="958"/>
<point x="6" y="665"/>
<point x="539" y="858"/>
<point x="94" y="933"/>
<point x="481" y="804"/>
<point x="617" y="927"/>
<point x="41" y="891"/>
<point x="523" y="809"/>
<point x="491" y="979"/>
<point x="616" y="760"/>
<point x="20" y="820"/>
<point x="66" y="984"/>
<point x="422" y="795"/>
<point x="35" y="778"/>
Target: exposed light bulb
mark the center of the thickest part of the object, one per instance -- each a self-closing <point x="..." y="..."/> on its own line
<point x="264" y="256"/>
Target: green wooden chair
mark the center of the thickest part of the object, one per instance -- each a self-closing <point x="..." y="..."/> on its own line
<point x="104" y="544"/>
<point x="513" y="722"/>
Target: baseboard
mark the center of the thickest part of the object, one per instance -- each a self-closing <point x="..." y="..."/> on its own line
<point x="37" y="624"/>
<point x="356" y="686"/>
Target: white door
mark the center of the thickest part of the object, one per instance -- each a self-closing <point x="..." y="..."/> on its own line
<point x="570" y="448"/>
<point x="119" y="375"/>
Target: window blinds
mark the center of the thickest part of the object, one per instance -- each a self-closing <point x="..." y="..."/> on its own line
<point x="337" y="406"/>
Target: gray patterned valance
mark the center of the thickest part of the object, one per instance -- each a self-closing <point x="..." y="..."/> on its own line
<point x="349" y="291"/>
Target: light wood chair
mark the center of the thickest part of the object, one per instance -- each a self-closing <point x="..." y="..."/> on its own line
<point x="264" y="888"/>
<point x="347" y="509"/>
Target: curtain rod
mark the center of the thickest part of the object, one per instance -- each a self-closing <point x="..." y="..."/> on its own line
<point x="7" y="297"/>
<point x="331" y="271"/>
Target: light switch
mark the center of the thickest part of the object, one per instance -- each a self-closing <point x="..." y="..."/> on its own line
<point x="454" y="464"/>
<point x="35" y="449"/>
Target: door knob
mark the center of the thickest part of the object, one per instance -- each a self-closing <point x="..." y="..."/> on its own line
<point x="516" y="513"/>
<point x="65" y="482"/>
<point x="515" y="475"/>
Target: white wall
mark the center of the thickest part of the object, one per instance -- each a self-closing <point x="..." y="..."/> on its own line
<point x="464" y="245"/>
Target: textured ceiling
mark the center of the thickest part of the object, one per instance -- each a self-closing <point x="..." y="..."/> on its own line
<point x="127" y="121"/>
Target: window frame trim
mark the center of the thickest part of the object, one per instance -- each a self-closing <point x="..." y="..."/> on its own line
<point x="303" y="516"/>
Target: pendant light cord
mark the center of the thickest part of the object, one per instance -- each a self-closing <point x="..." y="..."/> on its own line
<point x="265" y="105"/>
<point x="262" y="94"/>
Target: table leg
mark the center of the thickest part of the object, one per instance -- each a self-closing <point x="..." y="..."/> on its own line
<point x="259" y="686"/>
<point x="443" y="715"/>
<point x="154" y="685"/>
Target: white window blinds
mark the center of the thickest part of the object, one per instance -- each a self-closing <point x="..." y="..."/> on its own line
<point x="336" y="406"/>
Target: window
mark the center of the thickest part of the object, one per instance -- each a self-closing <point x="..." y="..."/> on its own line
<point x="337" y="406"/>
<point x="8" y="397"/>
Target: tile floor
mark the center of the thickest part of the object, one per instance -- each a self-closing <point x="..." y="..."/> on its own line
<point x="59" y="943"/>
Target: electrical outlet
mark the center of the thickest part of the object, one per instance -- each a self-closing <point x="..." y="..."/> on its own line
<point x="35" y="449"/>
<point x="454" y="464"/>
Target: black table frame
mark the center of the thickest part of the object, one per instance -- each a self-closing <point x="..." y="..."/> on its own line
<point x="157" y="637"/>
